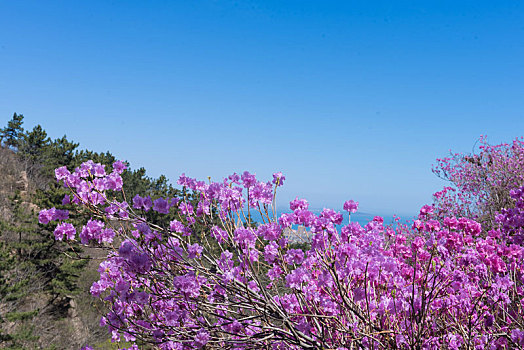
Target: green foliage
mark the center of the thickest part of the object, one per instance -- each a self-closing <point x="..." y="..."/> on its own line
<point x="33" y="145"/>
<point x="59" y="152"/>
<point x="21" y="316"/>
<point x="32" y="264"/>
<point x="19" y="339"/>
<point x="10" y="135"/>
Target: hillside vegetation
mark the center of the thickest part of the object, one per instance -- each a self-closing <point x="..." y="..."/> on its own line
<point x="44" y="284"/>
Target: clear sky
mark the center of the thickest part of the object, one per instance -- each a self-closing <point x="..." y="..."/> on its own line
<point x="350" y="99"/>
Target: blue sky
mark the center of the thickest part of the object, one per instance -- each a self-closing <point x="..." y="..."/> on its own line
<point x="350" y="99"/>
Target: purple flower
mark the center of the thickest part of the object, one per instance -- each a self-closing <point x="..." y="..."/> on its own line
<point x="201" y="338"/>
<point x="144" y="203"/>
<point x="98" y="170"/>
<point x="62" y="173"/>
<point x="294" y="256"/>
<point x="147" y="204"/>
<point x="185" y="181"/>
<point x="187" y="231"/>
<point x="126" y="248"/>
<point x="185" y="208"/>
<point x="426" y="210"/>
<point x="473" y="228"/>
<point x="219" y="234"/>
<point x="488" y="320"/>
<point x="261" y="192"/>
<point x="161" y="206"/>
<point x="359" y="294"/>
<point x="331" y="215"/>
<point x="106" y="236"/>
<point x="119" y="167"/>
<point x="248" y="179"/>
<point x="274" y="272"/>
<point x="140" y="297"/>
<point x="203" y="208"/>
<point x="235" y="178"/>
<point x="517" y="336"/>
<point x="66" y="200"/>
<point x="139" y="262"/>
<point x="225" y="262"/>
<point x="236" y="327"/>
<point x="301" y="204"/>
<point x="187" y="285"/>
<point x="96" y="289"/>
<point x="114" y="182"/>
<point x="61" y="215"/>
<point x="351" y="206"/>
<point x="194" y="250"/>
<point x="496" y="263"/>
<point x="176" y="226"/>
<point x="433" y="225"/>
<point x="269" y="231"/>
<point x="122" y="287"/>
<point x="245" y="237"/>
<point x="46" y="215"/>
<point x="85" y="169"/>
<point x="417" y="243"/>
<point x="286" y="220"/>
<point x="270" y="252"/>
<point x="305" y="327"/>
<point x="451" y="223"/>
<point x="305" y="217"/>
<point x="64" y="229"/>
<point x="91" y="230"/>
<point x="154" y="289"/>
<point x="295" y="278"/>
<point x="138" y="202"/>
<point x="455" y="341"/>
<point x="278" y="178"/>
<point x="417" y="224"/>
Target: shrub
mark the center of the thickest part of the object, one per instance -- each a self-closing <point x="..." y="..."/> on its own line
<point x="237" y="284"/>
<point x="480" y="182"/>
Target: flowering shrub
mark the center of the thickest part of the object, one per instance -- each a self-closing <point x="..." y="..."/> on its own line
<point x="213" y="278"/>
<point x="480" y="182"/>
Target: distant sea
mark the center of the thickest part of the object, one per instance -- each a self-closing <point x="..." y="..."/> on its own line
<point x="361" y="218"/>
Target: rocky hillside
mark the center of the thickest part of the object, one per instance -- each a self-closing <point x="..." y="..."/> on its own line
<point x="44" y="284"/>
<point x="32" y="315"/>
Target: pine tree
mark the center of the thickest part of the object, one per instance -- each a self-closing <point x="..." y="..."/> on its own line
<point x="10" y="135"/>
<point x="32" y="145"/>
<point x="18" y="276"/>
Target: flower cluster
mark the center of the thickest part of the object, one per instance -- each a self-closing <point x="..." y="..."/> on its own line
<point x="214" y="278"/>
